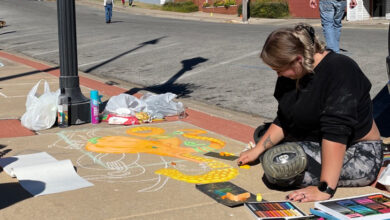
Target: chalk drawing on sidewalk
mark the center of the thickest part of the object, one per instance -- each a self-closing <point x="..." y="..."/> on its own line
<point x="163" y="156"/>
<point x="126" y="170"/>
<point x="152" y="140"/>
<point x="111" y="168"/>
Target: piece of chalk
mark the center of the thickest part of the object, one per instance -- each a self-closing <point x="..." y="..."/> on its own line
<point x="246" y="166"/>
<point x="259" y="197"/>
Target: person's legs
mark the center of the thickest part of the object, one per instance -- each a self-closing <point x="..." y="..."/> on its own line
<point x="362" y="163"/>
<point x="313" y="172"/>
<point x="327" y="13"/>
<point x="109" y="12"/>
<point x="338" y="16"/>
<point x="106" y="9"/>
<point x="130" y="2"/>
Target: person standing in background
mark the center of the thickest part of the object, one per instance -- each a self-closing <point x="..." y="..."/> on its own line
<point x="108" y="4"/>
<point x="332" y="12"/>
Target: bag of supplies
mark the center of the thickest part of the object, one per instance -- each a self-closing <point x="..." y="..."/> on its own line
<point x="41" y="110"/>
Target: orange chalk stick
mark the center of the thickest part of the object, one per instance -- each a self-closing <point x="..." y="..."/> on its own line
<point x="237" y="198"/>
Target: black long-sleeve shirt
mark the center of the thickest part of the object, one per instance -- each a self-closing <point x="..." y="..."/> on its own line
<point x="333" y="103"/>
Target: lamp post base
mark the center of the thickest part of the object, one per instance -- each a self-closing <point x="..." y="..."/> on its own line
<point x="80" y="113"/>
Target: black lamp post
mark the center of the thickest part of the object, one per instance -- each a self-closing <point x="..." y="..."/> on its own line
<point x="79" y="108"/>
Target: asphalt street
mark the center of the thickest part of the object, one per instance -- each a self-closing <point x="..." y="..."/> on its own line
<point x="215" y="63"/>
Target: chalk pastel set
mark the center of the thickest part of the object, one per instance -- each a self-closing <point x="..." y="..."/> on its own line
<point x="226" y="193"/>
<point x="274" y="210"/>
<point x="372" y="206"/>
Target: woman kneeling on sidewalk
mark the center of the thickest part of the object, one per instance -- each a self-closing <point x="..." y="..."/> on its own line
<point x="324" y="135"/>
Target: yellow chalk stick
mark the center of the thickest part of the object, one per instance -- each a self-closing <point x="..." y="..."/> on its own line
<point x="259" y="197"/>
<point x="245" y="166"/>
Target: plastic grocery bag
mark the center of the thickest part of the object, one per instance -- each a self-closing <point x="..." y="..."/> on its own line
<point x="124" y="104"/>
<point x="159" y="106"/>
<point x="41" y="112"/>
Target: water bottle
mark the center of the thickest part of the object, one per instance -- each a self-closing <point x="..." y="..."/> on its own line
<point x="62" y="109"/>
<point x="95" y="100"/>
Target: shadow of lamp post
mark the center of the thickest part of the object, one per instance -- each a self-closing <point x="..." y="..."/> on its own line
<point x="79" y="108"/>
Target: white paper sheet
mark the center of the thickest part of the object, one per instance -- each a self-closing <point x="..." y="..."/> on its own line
<point x="50" y="178"/>
<point x="42" y="174"/>
<point x="9" y="163"/>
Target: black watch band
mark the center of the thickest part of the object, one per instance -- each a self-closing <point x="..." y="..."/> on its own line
<point x="323" y="187"/>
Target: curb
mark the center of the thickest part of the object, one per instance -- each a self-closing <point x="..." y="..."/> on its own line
<point x="227" y="127"/>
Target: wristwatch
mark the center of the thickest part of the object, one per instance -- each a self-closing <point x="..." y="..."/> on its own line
<point x="323" y="187"/>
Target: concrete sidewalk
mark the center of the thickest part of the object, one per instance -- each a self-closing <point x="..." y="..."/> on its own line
<point x="126" y="185"/>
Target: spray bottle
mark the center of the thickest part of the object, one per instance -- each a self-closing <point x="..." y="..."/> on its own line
<point x="95" y="100"/>
<point x="63" y="107"/>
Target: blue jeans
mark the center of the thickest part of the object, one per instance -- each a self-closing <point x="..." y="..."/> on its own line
<point x="332" y="12"/>
<point x="108" y="9"/>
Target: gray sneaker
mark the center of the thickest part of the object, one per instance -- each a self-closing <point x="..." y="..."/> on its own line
<point x="283" y="163"/>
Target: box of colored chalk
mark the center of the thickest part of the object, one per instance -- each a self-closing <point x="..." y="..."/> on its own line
<point x="274" y="210"/>
<point x="368" y="207"/>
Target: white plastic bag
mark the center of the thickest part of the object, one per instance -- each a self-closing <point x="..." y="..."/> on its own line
<point x="159" y="106"/>
<point x="124" y="104"/>
<point x="41" y="111"/>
